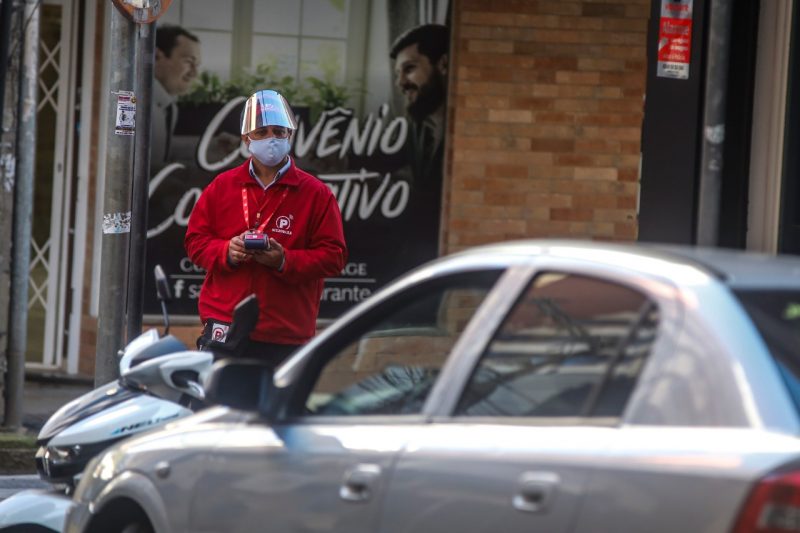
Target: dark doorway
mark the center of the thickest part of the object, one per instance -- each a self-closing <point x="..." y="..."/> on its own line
<point x="789" y="231"/>
<point x="738" y="127"/>
<point x="673" y="128"/>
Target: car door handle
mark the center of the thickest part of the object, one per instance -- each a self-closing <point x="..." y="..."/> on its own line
<point x="536" y="492"/>
<point x="359" y="483"/>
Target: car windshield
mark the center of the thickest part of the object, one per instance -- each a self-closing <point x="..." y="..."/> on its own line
<point x="776" y="314"/>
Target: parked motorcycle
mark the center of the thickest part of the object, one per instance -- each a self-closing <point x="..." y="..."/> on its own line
<point x="160" y="381"/>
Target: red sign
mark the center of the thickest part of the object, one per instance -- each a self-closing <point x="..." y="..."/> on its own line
<point x="675" y="39"/>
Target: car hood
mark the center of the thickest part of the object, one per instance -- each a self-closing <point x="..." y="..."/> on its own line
<point x="197" y="433"/>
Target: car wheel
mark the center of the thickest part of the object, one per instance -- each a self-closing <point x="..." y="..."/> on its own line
<point x="121" y="516"/>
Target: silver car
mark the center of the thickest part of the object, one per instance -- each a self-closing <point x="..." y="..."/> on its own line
<point x="540" y="386"/>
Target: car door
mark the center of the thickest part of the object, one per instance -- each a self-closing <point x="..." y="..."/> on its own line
<point x="325" y="464"/>
<point x="513" y="450"/>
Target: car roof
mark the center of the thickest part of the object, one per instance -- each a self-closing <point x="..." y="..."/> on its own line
<point x="738" y="269"/>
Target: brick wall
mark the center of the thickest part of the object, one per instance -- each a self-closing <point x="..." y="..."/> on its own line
<point x="546" y="103"/>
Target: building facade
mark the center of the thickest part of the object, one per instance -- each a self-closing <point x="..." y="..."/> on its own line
<point x="559" y="123"/>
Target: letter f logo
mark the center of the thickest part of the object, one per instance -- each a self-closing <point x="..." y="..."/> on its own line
<point x="178" y="288"/>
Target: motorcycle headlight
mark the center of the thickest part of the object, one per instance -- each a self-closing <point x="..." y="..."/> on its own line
<point x="52" y="460"/>
<point x="60" y="464"/>
<point x="59" y="455"/>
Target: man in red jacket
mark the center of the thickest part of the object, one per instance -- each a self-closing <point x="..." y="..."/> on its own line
<point x="299" y="215"/>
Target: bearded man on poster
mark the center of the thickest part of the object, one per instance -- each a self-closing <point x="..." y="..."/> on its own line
<point x="269" y="228"/>
<point x="420" y="65"/>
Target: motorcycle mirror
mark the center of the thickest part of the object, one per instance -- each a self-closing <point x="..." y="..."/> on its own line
<point x="245" y="317"/>
<point x="243" y="384"/>
<point x="162" y="286"/>
<point x="163" y="293"/>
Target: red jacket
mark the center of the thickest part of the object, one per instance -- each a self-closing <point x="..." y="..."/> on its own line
<point x="305" y="220"/>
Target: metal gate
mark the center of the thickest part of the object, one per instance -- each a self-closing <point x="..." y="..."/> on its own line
<point x="53" y="187"/>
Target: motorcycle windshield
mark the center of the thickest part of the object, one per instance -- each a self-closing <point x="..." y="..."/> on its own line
<point x="85" y="406"/>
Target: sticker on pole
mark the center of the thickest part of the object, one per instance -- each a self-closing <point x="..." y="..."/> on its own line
<point x="674" y="39"/>
<point x="116" y="223"/>
<point x="126" y="113"/>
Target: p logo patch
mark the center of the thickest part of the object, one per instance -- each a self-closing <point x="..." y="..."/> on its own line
<point x="219" y="332"/>
<point x="283" y="223"/>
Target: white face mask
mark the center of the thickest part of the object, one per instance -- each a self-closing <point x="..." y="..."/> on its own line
<point x="270" y="151"/>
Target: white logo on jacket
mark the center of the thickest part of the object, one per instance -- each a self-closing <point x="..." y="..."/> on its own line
<point x="283" y="224"/>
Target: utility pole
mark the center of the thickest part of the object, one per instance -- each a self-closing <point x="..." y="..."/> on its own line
<point x="8" y="163"/>
<point x="5" y="40"/>
<point x="145" y="57"/>
<point x="116" y="223"/>
<point x="23" y="209"/>
<point x="715" y="100"/>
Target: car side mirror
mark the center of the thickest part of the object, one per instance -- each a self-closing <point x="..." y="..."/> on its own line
<point x="243" y="384"/>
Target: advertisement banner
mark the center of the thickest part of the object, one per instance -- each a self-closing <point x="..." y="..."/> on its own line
<point x="370" y="112"/>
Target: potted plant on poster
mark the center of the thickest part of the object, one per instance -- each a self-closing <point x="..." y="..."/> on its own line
<point x="210" y="93"/>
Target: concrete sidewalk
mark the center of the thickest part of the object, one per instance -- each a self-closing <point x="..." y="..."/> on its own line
<point x="43" y="395"/>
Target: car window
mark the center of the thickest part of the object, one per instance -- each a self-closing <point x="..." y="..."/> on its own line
<point x="776" y="315"/>
<point x="571" y="346"/>
<point x="389" y="364"/>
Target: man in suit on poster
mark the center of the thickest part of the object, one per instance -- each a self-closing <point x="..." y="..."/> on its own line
<point x="177" y="60"/>
<point x="420" y="58"/>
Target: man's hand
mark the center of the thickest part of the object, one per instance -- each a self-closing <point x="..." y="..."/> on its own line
<point x="236" y="251"/>
<point x="272" y="258"/>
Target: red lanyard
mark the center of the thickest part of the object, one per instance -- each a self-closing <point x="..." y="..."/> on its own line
<point x="258" y="213"/>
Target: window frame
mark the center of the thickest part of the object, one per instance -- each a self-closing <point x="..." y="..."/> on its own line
<point x="655" y="289"/>
<point x="294" y="397"/>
